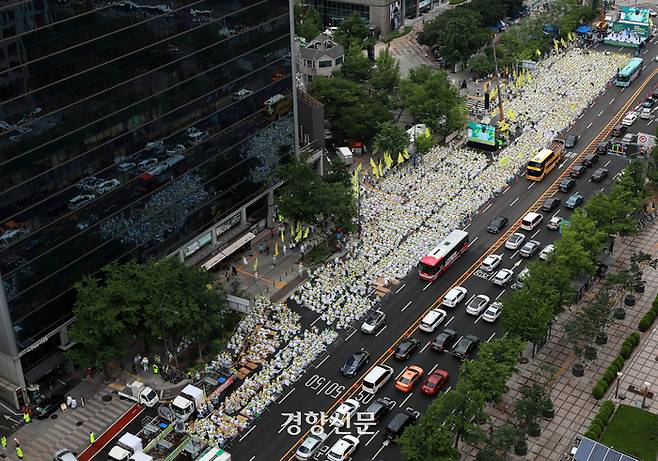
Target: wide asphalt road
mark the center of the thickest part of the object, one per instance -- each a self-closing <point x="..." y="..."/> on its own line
<point x="321" y="389"/>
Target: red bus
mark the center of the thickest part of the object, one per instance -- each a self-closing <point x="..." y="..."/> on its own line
<point x="441" y="257"/>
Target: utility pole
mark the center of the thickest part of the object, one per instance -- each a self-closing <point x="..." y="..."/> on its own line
<point x="500" y="96"/>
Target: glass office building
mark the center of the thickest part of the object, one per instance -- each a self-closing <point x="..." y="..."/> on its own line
<point x="129" y="129"/>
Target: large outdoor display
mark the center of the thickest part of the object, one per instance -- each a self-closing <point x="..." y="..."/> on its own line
<point x="477" y="133"/>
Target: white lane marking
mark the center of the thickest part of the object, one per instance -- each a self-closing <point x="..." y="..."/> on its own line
<point x="505" y="190"/>
<point x="378" y="452"/>
<point x="479" y="317"/>
<point x="561" y="165"/>
<point x="427" y="286"/>
<point x="491" y="337"/>
<point x="379" y="332"/>
<point x="405" y="400"/>
<point x="249" y="431"/>
<point x="556" y="213"/>
<point x="611" y="101"/>
<point x="466" y="226"/>
<point x="608" y="163"/>
<point x="599" y="114"/>
<point x="448" y="322"/>
<point x="649" y="122"/>
<point x="407" y="305"/>
<point x="474" y="240"/>
<point x="514" y="254"/>
<point x="622" y="90"/>
<point x="515" y="200"/>
<point x="470" y="299"/>
<point x="533" y="235"/>
<point x="316" y="320"/>
<point x="370" y="440"/>
<point x="532" y="184"/>
<point x="499" y="295"/>
<point x="286" y="396"/>
<point x="401" y="287"/>
<point x="400" y="374"/>
<point x="252" y="458"/>
<point x="432" y="370"/>
<point x="588" y="126"/>
<point x="484" y="211"/>
<point x="323" y="360"/>
<point x="425" y="347"/>
<point x="602" y="189"/>
<point x="448" y="390"/>
<point x="350" y="335"/>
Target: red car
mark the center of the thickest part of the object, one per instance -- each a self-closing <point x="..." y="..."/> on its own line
<point x="434" y="382"/>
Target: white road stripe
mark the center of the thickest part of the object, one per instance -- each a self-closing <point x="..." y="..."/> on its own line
<point x="425" y="347"/>
<point x="379" y="332"/>
<point x="491" y="337"/>
<point x="505" y="190"/>
<point x="427" y="286"/>
<point x="320" y="364"/>
<point x="469" y="300"/>
<point x="400" y="374"/>
<point x="249" y="432"/>
<point x="599" y="114"/>
<point x="532" y="184"/>
<point x="448" y="322"/>
<point x="286" y="396"/>
<point x="608" y="163"/>
<point x="350" y="335"/>
<point x="474" y="240"/>
<point x="589" y="126"/>
<point x="405" y="400"/>
<point x="556" y="213"/>
<point x="401" y="287"/>
<point x="649" y="122"/>
<point x="561" y="165"/>
<point x="533" y="235"/>
<point x="407" y="305"/>
<point x="252" y="458"/>
<point x="448" y="390"/>
<point x="432" y="370"/>
<point x="499" y="295"/>
<point x="316" y="320"/>
<point x="373" y="436"/>
<point x="489" y="206"/>
<point x="466" y="226"/>
<point x="514" y="254"/>
<point x="378" y="452"/>
<point x="611" y="101"/>
<point x="515" y="200"/>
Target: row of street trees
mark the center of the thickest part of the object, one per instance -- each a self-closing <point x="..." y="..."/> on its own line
<point x="161" y="303"/>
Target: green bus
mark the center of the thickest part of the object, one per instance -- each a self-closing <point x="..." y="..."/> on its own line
<point x="630" y="72"/>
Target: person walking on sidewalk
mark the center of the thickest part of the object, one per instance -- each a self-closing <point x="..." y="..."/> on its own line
<point x="19" y="452"/>
<point x="3" y="442"/>
<point x="145" y="363"/>
<point x="92" y="438"/>
<point x="267" y="248"/>
<point x="26" y="418"/>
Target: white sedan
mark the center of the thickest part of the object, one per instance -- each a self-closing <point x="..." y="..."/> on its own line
<point x="629" y="119"/>
<point x="432" y="320"/>
<point x="343" y="449"/>
<point x="502" y="277"/>
<point x="493" y="312"/>
<point x="454" y="296"/>
<point x="477" y="304"/>
<point x="546" y="252"/>
<point x="491" y="262"/>
<point x="345" y="412"/>
<point x="514" y="241"/>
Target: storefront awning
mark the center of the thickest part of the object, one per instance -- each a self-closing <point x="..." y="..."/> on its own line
<point x="228" y="251"/>
<point x="44" y="367"/>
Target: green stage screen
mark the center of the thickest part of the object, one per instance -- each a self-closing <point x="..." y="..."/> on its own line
<point x="481" y="134"/>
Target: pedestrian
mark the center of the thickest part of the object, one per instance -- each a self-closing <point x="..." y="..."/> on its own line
<point x="157" y="359"/>
<point x="63" y="407"/>
<point x="69" y="400"/>
<point x="92" y="438"/>
<point x="17" y="442"/>
<point x="156" y="369"/>
<point x="235" y="270"/>
<point x="90" y="374"/>
<point x="26" y="417"/>
<point x="244" y="261"/>
<point x="3" y="442"/>
<point x="82" y="401"/>
<point x="19" y="452"/>
<point x="145" y="363"/>
<point x="267" y="248"/>
<point x="74" y="403"/>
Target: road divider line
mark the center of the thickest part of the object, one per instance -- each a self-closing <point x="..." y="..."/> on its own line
<point x="505" y="191"/>
<point x="380" y="331"/>
<point x="448" y="322"/>
<point x="350" y="335"/>
<point x="491" y="337"/>
<point x="425" y="347"/>
<point x="323" y="360"/>
<point x="499" y="295"/>
<point x="405" y="400"/>
<point x="515" y="200"/>
<point x="427" y="286"/>
<point x="293" y="390"/>
<point x="400" y="289"/>
<point x="466" y="226"/>
<point x="405" y="306"/>
<point x="249" y="432"/>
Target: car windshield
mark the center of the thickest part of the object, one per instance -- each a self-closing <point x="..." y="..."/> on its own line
<point x="372" y="318"/>
<point x="405" y="380"/>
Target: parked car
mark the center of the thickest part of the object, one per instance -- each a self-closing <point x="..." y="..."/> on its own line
<point x="574" y="201"/>
<point x="64" y="455"/>
<point x="619" y="130"/>
<point x="434" y="382"/>
<point x="491" y="262"/>
<point x="80" y="200"/>
<point x="566" y="184"/>
<point x="408" y="379"/>
<point x="445" y="339"/>
<point x="477" y="304"/>
<point x="147" y="163"/>
<point x="550" y="204"/>
<point x="514" y="241"/>
<point x="466" y="347"/>
<point x="554" y="223"/>
<point x="89" y="183"/>
<point x="431" y="320"/>
<point x="497" y="224"/>
<point x="398" y="424"/>
<point x="648" y="103"/>
<point x="599" y="175"/>
<point x="406" y="347"/>
<point x="345" y="412"/>
<point x="107" y="186"/>
<point x="591" y="159"/>
<point x="502" y="277"/>
<point x="343" y="449"/>
<point x="571" y="141"/>
<point x="48" y="406"/>
<point x="241" y="94"/>
<point x="311" y="445"/>
<point x="602" y="148"/>
<point x="454" y="296"/>
<point x="379" y="408"/>
<point x="355" y="363"/>
<point x="529" y="249"/>
<point x="577" y="170"/>
<point x="373" y="322"/>
<point x="546" y="252"/>
<point x="126" y="166"/>
<point x="493" y="312"/>
<point x="629" y="119"/>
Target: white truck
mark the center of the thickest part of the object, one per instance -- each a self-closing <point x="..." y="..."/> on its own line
<point x="139" y="393"/>
<point x="126" y="448"/>
<point x="214" y="454"/>
<point x="185" y="404"/>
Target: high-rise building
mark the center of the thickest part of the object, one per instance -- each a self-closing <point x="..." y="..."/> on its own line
<point x="129" y="129"/>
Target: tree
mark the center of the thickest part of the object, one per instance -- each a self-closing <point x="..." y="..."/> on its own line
<point x="391" y="138"/>
<point x="526" y="315"/>
<point x="352" y="31"/>
<point x="491" y="12"/>
<point x="590" y="236"/>
<point x="462" y="410"/>
<point x="505" y="437"/>
<point x="308" y="23"/>
<point x="352" y="113"/>
<point x="456" y="34"/>
<point x="356" y="66"/>
<point x="569" y="255"/>
<point x="536" y="400"/>
<point x="433" y="100"/>
<point x="428" y="440"/>
<point x="386" y="76"/>
<point x="580" y="333"/>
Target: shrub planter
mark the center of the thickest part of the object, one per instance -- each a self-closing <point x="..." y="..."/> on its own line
<point x="601" y="338"/>
<point x="534" y="430"/>
<point x="639" y="288"/>
<point x="629" y="299"/>
<point x="620" y="313"/>
<point x="549" y="412"/>
<point x="578" y="369"/>
<point x="590" y="353"/>
<point x="521" y="448"/>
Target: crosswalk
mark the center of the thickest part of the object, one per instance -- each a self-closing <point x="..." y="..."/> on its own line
<point x="475" y="105"/>
<point x="41" y="439"/>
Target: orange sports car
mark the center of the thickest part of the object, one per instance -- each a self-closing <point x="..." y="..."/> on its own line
<point x="409" y="378"/>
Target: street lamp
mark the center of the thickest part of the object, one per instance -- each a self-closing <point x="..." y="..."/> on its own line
<point x="619" y="375"/>
<point x="644" y="394"/>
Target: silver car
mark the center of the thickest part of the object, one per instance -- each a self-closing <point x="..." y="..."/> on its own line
<point x="311" y="445"/>
<point x="64" y="455"/>
<point x="373" y="322"/>
<point x="514" y="241"/>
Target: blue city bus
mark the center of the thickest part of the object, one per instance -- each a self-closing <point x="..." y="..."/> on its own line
<point x="630" y="72"/>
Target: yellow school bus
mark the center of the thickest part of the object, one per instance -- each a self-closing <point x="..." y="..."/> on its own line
<point x="542" y="164"/>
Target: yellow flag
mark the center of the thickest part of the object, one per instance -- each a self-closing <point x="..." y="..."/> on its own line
<point x="400" y="158"/>
<point x="405" y="153"/>
<point x="306" y="231"/>
<point x="283" y="237"/>
<point x="359" y="167"/>
<point x="299" y="226"/>
<point x="564" y="44"/>
<point x="256" y="264"/>
<point x="280" y="217"/>
<point x="537" y="52"/>
<point x="529" y="77"/>
<point x="298" y="237"/>
<point x="374" y="167"/>
<point x="381" y="171"/>
<point x="276" y="248"/>
<point x="388" y="160"/>
<point x="521" y="79"/>
<point x="427" y="132"/>
<point x="555" y="44"/>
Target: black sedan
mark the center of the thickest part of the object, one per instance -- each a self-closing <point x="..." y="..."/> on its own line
<point x="551" y="203"/>
<point x="648" y="103"/>
<point x="406" y="347"/>
<point x="445" y="339"/>
<point x="497" y="224"/>
<point x="466" y="347"/>
<point x="599" y="175"/>
<point x="48" y="406"/>
<point x="379" y="408"/>
<point x="577" y="171"/>
<point x="567" y="184"/>
<point x="355" y="363"/>
<point x="571" y="141"/>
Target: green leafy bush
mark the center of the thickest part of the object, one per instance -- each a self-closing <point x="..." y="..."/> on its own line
<point x="615" y="367"/>
<point x="600" y="421"/>
<point x="598" y="391"/>
<point x="626" y="351"/>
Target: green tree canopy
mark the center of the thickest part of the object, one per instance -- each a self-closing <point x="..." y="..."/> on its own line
<point x="430" y="97"/>
<point x="308" y="23"/>
<point x="462" y="410"/>
<point x="526" y="316"/>
<point x="356" y="65"/>
<point x="428" y="439"/>
<point x="353" y="31"/>
<point x="391" y="138"/>
<point x="386" y="76"/>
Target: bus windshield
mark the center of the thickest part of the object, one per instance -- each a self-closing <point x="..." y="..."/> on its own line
<point x="537" y="165"/>
<point x="431" y="270"/>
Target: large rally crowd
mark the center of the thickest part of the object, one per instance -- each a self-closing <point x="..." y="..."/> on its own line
<point x="403" y="215"/>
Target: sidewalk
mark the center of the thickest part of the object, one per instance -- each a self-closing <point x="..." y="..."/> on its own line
<point x="572" y="397"/>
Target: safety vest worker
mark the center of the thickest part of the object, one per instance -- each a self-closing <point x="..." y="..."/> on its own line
<point x="19" y="452"/>
<point x="3" y="441"/>
<point x="92" y="438"/>
<point x="26" y="418"/>
<point x="156" y="370"/>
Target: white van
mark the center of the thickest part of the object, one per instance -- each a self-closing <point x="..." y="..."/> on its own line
<point x="377" y="377"/>
<point x="531" y="220"/>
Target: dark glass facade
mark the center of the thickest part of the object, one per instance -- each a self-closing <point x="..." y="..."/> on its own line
<point x="127" y="128"/>
<point x="333" y="12"/>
